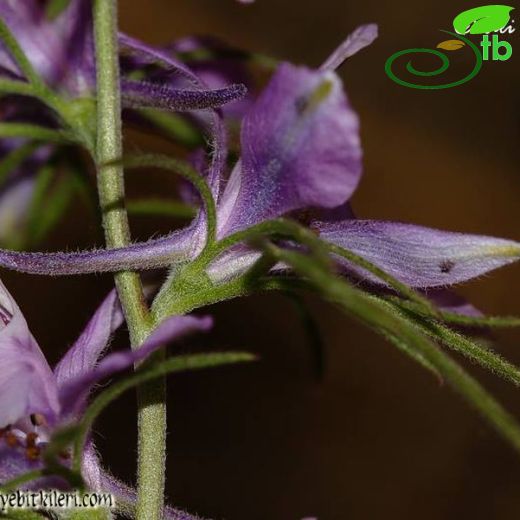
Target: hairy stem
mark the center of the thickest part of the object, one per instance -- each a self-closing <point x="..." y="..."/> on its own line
<point x="109" y="148"/>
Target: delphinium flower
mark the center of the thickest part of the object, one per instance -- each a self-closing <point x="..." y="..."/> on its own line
<point x="282" y="207"/>
<point x="301" y="151"/>
<point x="36" y="401"/>
<point x="60" y="50"/>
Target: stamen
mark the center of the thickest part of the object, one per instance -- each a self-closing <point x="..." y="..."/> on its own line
<point x="37" y="419"/>
<point x="33" y="453"/>
<point x="11" y="439"/>
<point x="30" y="439"/>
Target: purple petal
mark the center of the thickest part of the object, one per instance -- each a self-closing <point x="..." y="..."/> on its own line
<point x="27" y="384"/>
<point x="91" y="470"/>
<point x="61" y="51"/>
<point x="161" y="252"/>
<point x="15" y="199"/>
<point x="75" y="28"/>
<point x="300" y="147"/>
<point x="148" y="54"/>
<point x="84" y="354"/>
<point x="14" y="462"/>
<point x="232" y="263"/>
<point x="145" y="94"/>
<point x="212" y="122"/>
<point x="26" y="21"/>
<point x="74" y="393"/>
<point x="362" y="37"/>
<point x="418" y="256"/>
<point x="450" y="301"/>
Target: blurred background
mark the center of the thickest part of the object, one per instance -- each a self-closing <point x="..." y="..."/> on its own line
<point x="378" y="437"/>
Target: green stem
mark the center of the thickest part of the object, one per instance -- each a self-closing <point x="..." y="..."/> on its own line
<point x="151" y="397"/>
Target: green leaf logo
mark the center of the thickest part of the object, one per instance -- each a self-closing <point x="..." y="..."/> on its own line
<point x="481" y="20"/>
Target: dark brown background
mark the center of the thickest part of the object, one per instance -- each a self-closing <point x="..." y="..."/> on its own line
<point x="379" y="438"/>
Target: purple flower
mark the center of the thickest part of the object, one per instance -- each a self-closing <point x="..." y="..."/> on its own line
<point x="35" y="401"/>
<point x="300" y="151"/>
<point x="17" y="188"/>
<point x="62" y="52"/>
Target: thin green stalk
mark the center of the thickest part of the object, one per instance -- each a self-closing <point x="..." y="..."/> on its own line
<point x="160" y="207"/>
<point x="151" y="397"/>
<point x="150" y="373"/>
<point x="35" y="132"/>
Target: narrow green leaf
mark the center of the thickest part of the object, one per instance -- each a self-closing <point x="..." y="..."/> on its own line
<point x="19" y="55"/>
<point x="463" y="320"/>
<point x="473" y="351"/>
<point x="148" y="373"/>
<point x="411" y="353"/>
<point x="323" y="249"/>
<point x="312" y="332"/>
<point x="35" y="132"/>
<point x="49" y="204"/>
<point x="377" y="315"/>
<point x="160" y="207"/>
<point x="188" y="172"/>
<point x="280" y="228"/>
<point x="392" y="282"/>
<point x="483" y="321"/>
<point x="15" y="158"/>
<point x="55" y="7"/>
<point x="465" y="346"/>
<point x="21" y="88"/>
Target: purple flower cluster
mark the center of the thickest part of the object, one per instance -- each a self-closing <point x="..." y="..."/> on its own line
<point x="300" y="152"/>
<point x="300" y="157"/>
<point x="36" y="401"/>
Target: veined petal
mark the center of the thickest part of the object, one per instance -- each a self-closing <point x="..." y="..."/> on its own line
<point x="14" y="463"/>
<point x="61" y="51"/>
<point x="300" y="147"/>
<point x="232" y="263"/>
<point x="74" y="25"/>
<point x="74" y="393"/>
<point x="27" y="384"/>
<point x="138" y="94"/>
<point x="84" y="354"/>
<point x="362" y="37"/>
<point x="26" y="21"/>
<point x="418" y="256"/>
